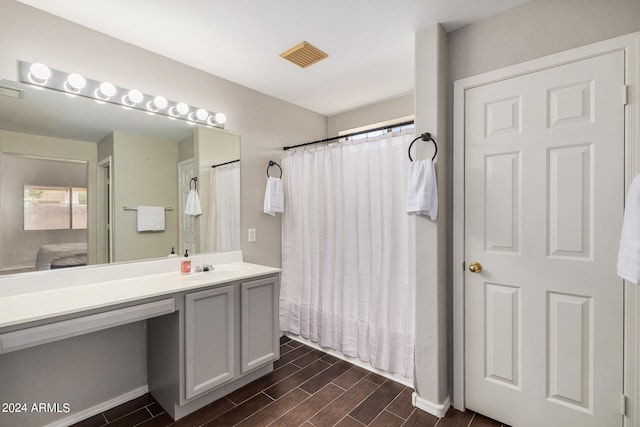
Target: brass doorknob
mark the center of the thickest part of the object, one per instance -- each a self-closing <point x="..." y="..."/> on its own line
<point x="475" y="267"/>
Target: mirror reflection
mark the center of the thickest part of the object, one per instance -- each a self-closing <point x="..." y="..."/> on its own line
<point x="83" y="183"/>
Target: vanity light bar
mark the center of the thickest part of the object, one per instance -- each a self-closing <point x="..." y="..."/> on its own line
<point x="74" y="84"/>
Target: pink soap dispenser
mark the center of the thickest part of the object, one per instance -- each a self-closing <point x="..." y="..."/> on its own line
<point x="185" y="264"/>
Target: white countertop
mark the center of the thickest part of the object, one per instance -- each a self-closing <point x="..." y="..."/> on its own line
<point x="17" y="308"/>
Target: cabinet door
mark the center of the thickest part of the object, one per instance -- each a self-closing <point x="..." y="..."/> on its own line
<point x="209" y="339"/>
<point x="259" y="312"/>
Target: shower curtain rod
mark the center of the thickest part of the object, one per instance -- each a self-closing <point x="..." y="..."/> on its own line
<point x="333" y="138"/>
<point x="225" y="163"/>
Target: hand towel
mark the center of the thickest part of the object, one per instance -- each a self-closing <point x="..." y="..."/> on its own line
<point x="192" y="206"/>
<point x="422" y="189"/>
<point x="629" y="252"/>
<point x="273" y="196"/>
<point x="150" y="218"/>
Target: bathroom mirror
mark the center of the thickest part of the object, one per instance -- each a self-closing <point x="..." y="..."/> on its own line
<point x="131" y="159"/>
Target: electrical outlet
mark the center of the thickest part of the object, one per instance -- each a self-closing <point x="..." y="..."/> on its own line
<point x="251" y="234"/>
<point x="13" y="254"/>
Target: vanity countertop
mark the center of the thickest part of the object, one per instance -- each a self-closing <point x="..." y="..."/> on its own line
<point x="32" y="306"/>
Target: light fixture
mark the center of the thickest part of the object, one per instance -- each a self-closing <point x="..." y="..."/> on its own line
<point x="133" y="97"/>
<point x="74" y="84"/>
<point x="39" y="73"/>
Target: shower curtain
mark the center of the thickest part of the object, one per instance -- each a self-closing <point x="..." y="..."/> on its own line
<point x="348" y="251"/>
<point x="223" y="225"/>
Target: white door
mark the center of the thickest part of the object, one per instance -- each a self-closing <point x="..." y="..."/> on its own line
<point x="187" y="232"/>
<point x="544" y="184"/>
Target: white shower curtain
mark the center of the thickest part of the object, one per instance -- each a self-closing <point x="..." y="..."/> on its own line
<point x="348" y="251"/>
<point x="223" y="226"/>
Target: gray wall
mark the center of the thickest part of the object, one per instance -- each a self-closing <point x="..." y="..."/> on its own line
<point x="389" y="110"/>
<point x="145" y="172"/>
<point x="18" y="171"/>
<point x="80" y="371"/>
<point x="536" y="29"/>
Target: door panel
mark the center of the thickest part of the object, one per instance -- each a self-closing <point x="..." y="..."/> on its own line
<point x="544" y="194"/>
<point x="188" y="226"/>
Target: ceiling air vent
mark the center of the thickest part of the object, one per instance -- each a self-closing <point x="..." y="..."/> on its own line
<point x="304" y="55"/>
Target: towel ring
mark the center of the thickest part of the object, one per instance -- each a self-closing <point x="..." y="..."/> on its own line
<point x="195" y="181"/>
<point x="272" y="163"/>
<point x="425" y="137"/>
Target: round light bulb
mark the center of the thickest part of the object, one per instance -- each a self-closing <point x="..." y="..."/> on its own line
<point x="135" y="96"/>
<point x="220" y="118"/>
<point x="202" y="114"/>
<point x="39" y="73"/>
<point x="182" y="108"/>
<point x="75" y="82"/>
<point x="160" y="102"/>
<point x="105" y="91"/>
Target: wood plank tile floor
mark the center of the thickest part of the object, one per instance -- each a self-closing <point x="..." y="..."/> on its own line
<point x="307" y="388"/>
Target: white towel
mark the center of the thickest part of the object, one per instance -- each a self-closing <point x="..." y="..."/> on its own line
<point x="629" y="253"/>
<point x="273" y="196"/>
<point x="422" y="189"/>
<point x="150" y="218"/>
<point x="192" y="206"/>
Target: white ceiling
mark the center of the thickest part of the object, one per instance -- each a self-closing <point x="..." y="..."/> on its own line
<point x="370" y="42"/>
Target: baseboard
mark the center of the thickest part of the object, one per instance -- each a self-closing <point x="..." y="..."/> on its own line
<point x="437" y="410"/>
<point x="101" y="407"/>
<point x="354" y="361"/>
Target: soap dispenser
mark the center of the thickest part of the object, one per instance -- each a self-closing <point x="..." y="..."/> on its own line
<point x="185" y="264"/>
<point x="172" y="254"/>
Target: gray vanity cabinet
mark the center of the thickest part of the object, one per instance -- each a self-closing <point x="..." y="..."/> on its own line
<point x="221" y="338"/>
<point x="209" y="318"/>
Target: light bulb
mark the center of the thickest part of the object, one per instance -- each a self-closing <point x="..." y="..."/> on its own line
<point x="160" y="102"/>
<point x="217" y="119"/>
<point x="182" y="108"/>
<point x="179" y="109"/>
<point x="75" y="83"/>
<point x="133" y="97"/>
<point x="39" y="73"/>
<point x="105" y="91"/>
<point x="202" y="114"/>
<point x="220" y="118"/>
<point x="157" y="103"/>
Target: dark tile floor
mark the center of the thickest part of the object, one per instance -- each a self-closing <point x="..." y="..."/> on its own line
<point x="307" y="388"/>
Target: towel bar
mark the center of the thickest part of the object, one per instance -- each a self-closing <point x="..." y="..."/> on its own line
<point x="133" y="208"/>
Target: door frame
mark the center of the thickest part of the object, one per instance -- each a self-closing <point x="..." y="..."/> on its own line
<point x="630" y="44"/>
<point x="105" y="210"/>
